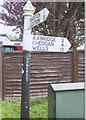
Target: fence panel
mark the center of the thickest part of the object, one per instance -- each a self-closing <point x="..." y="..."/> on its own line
<point x="45" y="68"/>
<point x="49" y="68"/>
<point x="81" y="66"/>
<point x="12" y="74"/>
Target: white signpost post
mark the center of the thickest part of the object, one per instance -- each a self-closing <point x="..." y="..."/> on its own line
<point x="46" y="44"/>
<point x="39" y="17"/>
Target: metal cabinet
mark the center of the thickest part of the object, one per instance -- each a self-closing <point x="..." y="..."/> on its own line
<point x="66" y="100"/>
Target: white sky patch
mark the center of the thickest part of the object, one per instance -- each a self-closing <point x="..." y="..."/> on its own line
<point x="4" y="29"/>
<point x="8" y="30"/>
<point x="1" y="2"/>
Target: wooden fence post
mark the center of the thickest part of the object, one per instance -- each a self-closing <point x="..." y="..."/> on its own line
<point x="75" y="65"/>
<point x="0" y="72"/>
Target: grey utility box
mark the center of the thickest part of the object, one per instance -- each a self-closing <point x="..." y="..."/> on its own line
<point x="66" y="100"/>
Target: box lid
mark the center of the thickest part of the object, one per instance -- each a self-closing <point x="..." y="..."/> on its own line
<point x="68" y="86"/>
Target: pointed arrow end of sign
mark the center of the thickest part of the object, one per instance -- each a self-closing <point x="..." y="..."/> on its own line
<point x="46" y="12"/>
<point x="67" y="45"/>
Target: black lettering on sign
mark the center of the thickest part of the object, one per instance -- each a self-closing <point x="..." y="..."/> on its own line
<point x="34" y="47"/>
<point x="61" y="49"/>
<point x="52" y="43"/>
<point x="40" y="48"/>
<point x="42" y="42"/>
<point x="38" y="15"/>
<point x="44" y="15"/>
<point x="34" y="37"/>
<point x="33" y="42"/>
<point x="62" y="45"/>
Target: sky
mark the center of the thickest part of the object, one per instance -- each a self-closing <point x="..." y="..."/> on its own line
<point x="6" y="29"/>
<point x="1" y="1"/>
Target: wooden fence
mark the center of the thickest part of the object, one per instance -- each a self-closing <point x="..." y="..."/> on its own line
<point x="45" y="68"/>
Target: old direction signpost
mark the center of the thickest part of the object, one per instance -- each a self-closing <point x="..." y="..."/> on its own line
<point x="46" y="44"/>
<point x="28" y="13"/>
<point x="39" y="17"/>
<point x="35" y="43"/>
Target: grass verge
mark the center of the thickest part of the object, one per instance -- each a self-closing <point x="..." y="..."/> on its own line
<point x="12" y="109"/>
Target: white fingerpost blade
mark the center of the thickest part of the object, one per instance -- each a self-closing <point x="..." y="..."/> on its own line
<point x="39" y="17"/>
<point x="46" y="44"/>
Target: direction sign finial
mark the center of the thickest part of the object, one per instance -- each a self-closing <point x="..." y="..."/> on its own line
<point x="28" y="9"/>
